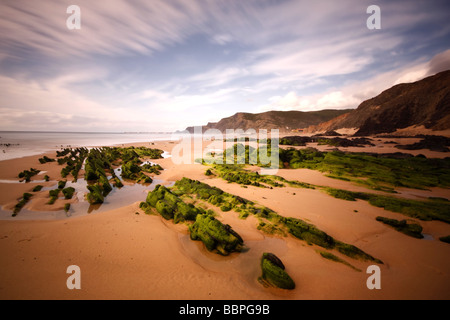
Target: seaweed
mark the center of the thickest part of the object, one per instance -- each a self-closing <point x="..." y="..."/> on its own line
<point x="423" y="210"/>
<point x="215" y="235"/>
<point x="25" y="198"/>
<point x="237" y="174"/>
<point x="383" y="171"/>
<point x="117" y="182"/>
<point x="186" y="212"/>
<point x="225" y="201"/>
<point x="103" y="182"/>
<point x="37" y="188"/>
<point x="62" y="184"/>
<point x="152" y="168"/>
<point x="131" y="170"/>
<point x="332" y="257"/>
<point x="354" y="252"/>
<point x="66" y="207"/>
<point x="27" y="174"/>
<point x="53" y="195"/>
<point x="274" y="273"/>
<point x="143" y="178"/>
<point x="271" y="228"/>
<point x="68" y="192"/>
<point x="309" y="233"/>
<point x="95" y="195"/>
<point x="165" y="209"/>
<point x="74" y="161"/>
<point x="410" y="229"/>
<point x="240" y="154"/>
<point x="145" y="207"/>
<point x="148" y="152"/>
<point x="46" y="159"/>
<point x="218" y="198"/>
<point x="346" y="195"/>
<point x="170" y="206"/>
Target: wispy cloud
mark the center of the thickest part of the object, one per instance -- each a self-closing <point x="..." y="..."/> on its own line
<point x="350" y="96"/>
<point x="165" y="64"/>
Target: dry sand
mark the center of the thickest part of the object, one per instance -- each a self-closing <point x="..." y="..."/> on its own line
<point x="124" y="255"/>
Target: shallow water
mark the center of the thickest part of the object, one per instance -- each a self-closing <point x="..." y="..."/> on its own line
<point x="427" y="236"/>
<point x="117" y="198"/>
<point x="11" y="181"/>
<point x="131" y="192"/>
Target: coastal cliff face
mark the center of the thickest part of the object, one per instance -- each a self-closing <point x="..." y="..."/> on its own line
<point x="282" y="120"/>
<point x="421" y="103"/>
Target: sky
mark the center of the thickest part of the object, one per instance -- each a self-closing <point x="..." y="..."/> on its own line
<point x="163" y="65"/>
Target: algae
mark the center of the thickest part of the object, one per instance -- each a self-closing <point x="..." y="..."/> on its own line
<point x="274" y="273"/>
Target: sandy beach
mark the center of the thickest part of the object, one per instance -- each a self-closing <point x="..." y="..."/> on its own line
<point x="126" y="254"/>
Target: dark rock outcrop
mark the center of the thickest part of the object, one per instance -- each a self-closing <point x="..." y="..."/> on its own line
<point x="425" y="102"/>
<point x="284" y="121"/>
<point x="274" y="273"/>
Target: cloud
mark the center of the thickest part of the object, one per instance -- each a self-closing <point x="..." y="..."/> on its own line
<point x="440" y="62"/>
<point x="222" y="39"/>
<point x="219" y="76"/>
<point x="115" y="27"/>
<point x="54" y="105"/>
<point x="331" y="100"/>
<point x="351" y="95"/>
<point x="337" y="100"/>
<point x="153" y="63"/>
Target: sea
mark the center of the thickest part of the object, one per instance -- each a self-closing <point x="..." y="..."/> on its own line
<point x="17" y="144"/>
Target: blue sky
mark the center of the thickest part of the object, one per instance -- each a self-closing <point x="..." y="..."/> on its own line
<point x="162" y="65"/>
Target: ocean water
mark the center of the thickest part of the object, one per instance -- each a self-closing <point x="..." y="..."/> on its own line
<point x="17" y="144"/>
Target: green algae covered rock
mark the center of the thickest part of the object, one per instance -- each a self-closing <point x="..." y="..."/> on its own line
<point x="130" y="170"/>
<point x="309" y="233"/>
<point x="170" y="206"/>
<point x="273" y="272"/>
<point x="105" y="186"/>
<point x="95" y="195"/>
<point x="61" y="184"/>
<point x="68" y="192"/>
<point x="165" y="209"/>
<point x="143" y="178"/>
<point x="215" y="235"/>
<point x="157" y="194"/>
<point x="186" y="212"/>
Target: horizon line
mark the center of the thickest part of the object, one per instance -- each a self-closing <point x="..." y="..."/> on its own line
<point x="110" y="132"/>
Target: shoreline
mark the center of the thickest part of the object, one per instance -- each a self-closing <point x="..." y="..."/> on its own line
<point x="24" y="145"/>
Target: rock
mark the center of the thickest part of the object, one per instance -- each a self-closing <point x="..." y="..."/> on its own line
<point x="170" y="206"/>
<point x="165" y="209"/>
<point x="433" y="143"/>
<point x="273" y="272"/>
<point x="421" y="103"/>
<point x="215" y="235"/>
<point x="95" y="195"/>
